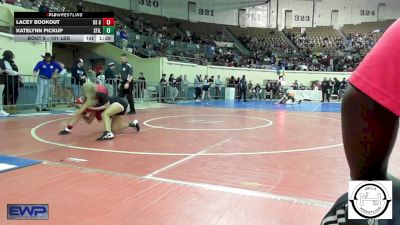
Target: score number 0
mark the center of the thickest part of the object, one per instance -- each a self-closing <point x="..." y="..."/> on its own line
<point x="108" y="22"/>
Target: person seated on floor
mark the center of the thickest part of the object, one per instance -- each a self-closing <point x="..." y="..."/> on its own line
<point x="257" y="91"/>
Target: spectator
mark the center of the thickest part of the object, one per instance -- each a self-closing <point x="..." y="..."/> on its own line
<point x="110" y="79"/>
<point x="173" y="91"/>
<point x="218" y="87"/>
<point x="237" y="88"/>
<point x="343" y="86"/>
<point x="91" y="75"/>
<point x="64" y="84"/>
<point x="124" y="38"/>
<point x="197" y="85"/>
<point x="250" y="90"/>
<point x="212" y="82"/>
<point x="336" y="86"/>
<point x="79" y="7"/>
<point x="257" y="91"/>
<point x="43" y="7"/>
<point x="11" y="91"/>
<point x="185" y="86"/>
<point x="3" y="81"/>
<point x="232" y="82"/>
<point x="141" y="85"/>
<point x="282" y="81"/>
<point x="100" y="77"/>
<point x="132" y="19"/>
<point x="206" y="88"/>
<point x="179" y="84"/>
<point x="275" y="90"/>
<point x="295" y="85"/>
<point x="78" y="78"/>
<point x="126" y="86"/>
<point x="330" y="88"/>
<point x="45" y="70"/>
<point x="163" y="86"/>
<point x="268" y="91"/>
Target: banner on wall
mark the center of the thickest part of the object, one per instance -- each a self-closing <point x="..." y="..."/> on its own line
<point x="223" y="44"/>
<point x="257" y="16"/>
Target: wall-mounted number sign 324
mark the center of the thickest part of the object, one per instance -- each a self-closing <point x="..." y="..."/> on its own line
<point x="367" y="12"/>
<point x="149" y="3"/>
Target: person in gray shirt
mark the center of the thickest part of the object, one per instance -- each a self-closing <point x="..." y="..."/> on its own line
<point x="218" y="86"/>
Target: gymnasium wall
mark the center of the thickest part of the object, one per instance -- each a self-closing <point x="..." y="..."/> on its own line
<point x="27" y="54"/>
<point x="356" y="11"/>
<point x="265" y="15"/>
<point x="7" y="13"/>
<point x="151" y="67"/>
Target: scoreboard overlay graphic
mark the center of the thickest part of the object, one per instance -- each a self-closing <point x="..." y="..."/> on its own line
<point x="64" y="27"/>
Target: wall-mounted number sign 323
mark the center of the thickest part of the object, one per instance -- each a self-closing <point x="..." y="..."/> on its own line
<point x="206" y="12"/>
<point x="149" y="3"/>
<point x="301" y="18"/>
<point x="367" y="12"/>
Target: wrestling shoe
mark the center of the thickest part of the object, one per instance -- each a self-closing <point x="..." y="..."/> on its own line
<point x="135" y="124"/>
<point x="64" y="132"/>
<point x="106" y="136"/>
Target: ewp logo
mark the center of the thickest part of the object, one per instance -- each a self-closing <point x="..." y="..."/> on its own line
<point x="27" y="211"/>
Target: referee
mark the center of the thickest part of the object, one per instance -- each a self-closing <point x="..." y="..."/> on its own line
<point x="126" y="87"/>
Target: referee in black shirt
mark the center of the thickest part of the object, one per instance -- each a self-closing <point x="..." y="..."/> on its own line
<point x="126" y="87"/>
<point x="325" y="86"/>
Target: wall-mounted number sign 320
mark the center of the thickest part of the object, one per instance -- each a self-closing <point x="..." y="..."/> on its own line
<point x="149" y="3"/>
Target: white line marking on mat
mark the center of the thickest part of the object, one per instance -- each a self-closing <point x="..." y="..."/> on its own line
<point x="76" y="160"/>
<point x="267" y="124"/>
<point x="189" y="157"/>
<point x="203" y="121"/>
<point x="31" y="114"/>
<point x="35" y="136"/>
<point x="245" y="192"/>
<point x="204" y="186"/>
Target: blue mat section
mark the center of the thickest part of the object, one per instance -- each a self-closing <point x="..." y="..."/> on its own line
<point x="8" y="163"/>
<point x="268" y="105"/>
